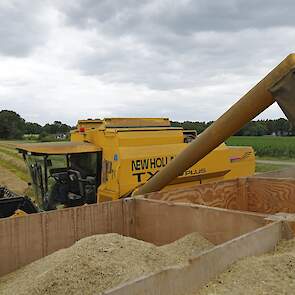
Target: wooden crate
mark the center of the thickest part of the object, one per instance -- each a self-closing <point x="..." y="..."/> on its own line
<point x="261" y="195"/>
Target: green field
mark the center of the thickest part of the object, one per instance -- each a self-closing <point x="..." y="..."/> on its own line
<point x="261" y="167"/>
<point x="267" y="146"/>
<point x="13" y="171"/>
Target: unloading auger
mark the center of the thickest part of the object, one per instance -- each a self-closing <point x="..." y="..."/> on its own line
<point x="278" y="86"/>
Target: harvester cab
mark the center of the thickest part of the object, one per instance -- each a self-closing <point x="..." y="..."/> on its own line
<point x="63" y="173"/>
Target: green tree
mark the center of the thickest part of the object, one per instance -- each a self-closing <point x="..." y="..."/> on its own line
<point x="283" y="126"/>
<point x="33" y="128"/>
<point x="56" y="128"/>
<point x="12" y="126"/>
<point x="189" y="125"/>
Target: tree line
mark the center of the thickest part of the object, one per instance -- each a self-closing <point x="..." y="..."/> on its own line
<point x="13" y="126"/>
<point x="279" y="127"/>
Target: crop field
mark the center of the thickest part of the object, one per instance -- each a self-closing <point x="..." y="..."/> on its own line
<point x="13" y="172"/>
<point x="267" y="146"/>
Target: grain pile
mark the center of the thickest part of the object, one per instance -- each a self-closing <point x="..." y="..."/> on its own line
<point x="98" y="263"/>
<point x="272" y="273"/>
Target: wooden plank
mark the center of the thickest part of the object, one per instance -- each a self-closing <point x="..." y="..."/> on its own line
<point x="271" y="195"/>
<point x="263" y="195"/>
<point x="221" y="194"/>
<point x="129" y="207"/>
<point x="201" y="269"/>
<point x="161" y="222"/>
<point x="58" y="229"/>
<point x="107" y="217"/>
<point x="21" y="241"/>
<point x="289" y="221"/>
<point x="103" y="218"/>
<point x="242" y="195"/>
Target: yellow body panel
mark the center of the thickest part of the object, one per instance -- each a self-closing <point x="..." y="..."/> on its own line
<point x="88" y="124"/>
<point x="130" y="156"/>
<point x="58" y="148"/>
<point x="19" y="213"/>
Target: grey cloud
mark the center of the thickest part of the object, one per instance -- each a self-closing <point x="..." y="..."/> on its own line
<point x="184" y="43"/>
<point x="21" y="27"/>
<point x="197" y="62"/>
<point x="85" y="13"/>
<point x="195" y="57"/>
<point x="231" y="15"/>
<point x="183" y="17"/>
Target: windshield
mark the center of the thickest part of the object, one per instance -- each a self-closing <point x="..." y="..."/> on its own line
<point x="84" y="163"/>
<point x="64" y="179"/>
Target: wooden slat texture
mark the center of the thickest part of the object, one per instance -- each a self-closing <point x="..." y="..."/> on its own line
<point x="201" y="269"/>
<point x="242" y="194"/>
<point x="217" y="194"/>
<point x="129" y="206"/>
<point x="161" y="222"/>
<point x="104" y="218"/>
<point x="270" y="195"/>
<point x="263" y="195"/>
<point x="58" y="228"/>
<point x="21" y="241"/>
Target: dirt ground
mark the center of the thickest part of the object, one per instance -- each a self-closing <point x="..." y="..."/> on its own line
<point x="271" y="274"/>
<point x="12" y="182"/>
<point x="14" y="161"/>
<point x="98" y="263"/>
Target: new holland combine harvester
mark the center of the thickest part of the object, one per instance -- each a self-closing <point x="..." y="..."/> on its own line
<point x="107" y="160"/>
<point x="115" y="158"/>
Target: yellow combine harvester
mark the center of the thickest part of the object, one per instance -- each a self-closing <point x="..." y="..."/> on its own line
<point x="108" y="159"/>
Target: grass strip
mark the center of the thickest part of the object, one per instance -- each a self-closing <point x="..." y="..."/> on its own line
<point x="262" y="167"/>
<point x="15" y="170"/>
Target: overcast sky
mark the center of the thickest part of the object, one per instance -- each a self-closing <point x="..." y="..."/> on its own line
<point x="186" y="60"/>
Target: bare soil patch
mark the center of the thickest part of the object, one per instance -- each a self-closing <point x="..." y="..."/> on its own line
<point x="15" y="162"/>
<point x="12" y="182"/>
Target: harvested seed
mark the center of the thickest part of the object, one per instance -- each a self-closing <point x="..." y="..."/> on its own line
<point x="272" y="273"/>
<point x="97" y="263"/>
